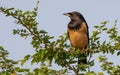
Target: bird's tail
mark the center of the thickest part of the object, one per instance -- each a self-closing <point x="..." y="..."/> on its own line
<point x="82" y="59"/>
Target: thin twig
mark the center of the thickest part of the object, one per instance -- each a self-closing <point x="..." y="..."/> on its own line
<point x="72" y="68"/>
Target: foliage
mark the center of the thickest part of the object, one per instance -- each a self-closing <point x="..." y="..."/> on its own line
<point x="48" y="51"/>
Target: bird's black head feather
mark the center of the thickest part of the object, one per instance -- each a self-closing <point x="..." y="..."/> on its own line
<point x="76" y="20"/>
<point x="75" y="16"/>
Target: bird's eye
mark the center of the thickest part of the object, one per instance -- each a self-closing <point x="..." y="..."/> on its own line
<point x="71" y="14"/>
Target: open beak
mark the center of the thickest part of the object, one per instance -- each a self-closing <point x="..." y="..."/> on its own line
<point x="67" y="14"/>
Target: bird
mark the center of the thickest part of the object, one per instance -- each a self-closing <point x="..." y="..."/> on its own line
<point x="78" y="34"/>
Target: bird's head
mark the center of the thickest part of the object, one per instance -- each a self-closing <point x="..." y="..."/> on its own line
<point x="74" y="16"/>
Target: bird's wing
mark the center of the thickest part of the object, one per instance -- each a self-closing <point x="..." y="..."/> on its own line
<point x="85" y="26"/>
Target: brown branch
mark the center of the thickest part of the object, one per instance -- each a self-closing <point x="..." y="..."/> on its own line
<point x="72" y="68"/>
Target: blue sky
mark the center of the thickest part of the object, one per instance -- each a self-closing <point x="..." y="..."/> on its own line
<point x="51" y="19"/>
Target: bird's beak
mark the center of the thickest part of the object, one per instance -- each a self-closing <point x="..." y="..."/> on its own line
<point x="67" y="14"/>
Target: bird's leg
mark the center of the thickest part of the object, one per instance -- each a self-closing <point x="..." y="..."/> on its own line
<point x="70" y="50"/>
<point x="83" y="51"/>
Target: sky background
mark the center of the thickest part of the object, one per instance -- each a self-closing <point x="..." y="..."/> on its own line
<point x="50" y="18"/>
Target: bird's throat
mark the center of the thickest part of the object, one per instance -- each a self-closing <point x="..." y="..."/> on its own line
<point x="74" y="25"/>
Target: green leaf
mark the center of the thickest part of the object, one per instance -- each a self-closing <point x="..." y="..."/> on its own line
<point x="63" y="71"/>
<point x="96" y="26"/>
<point x="1" y="48"/>
<point x="43" y="31"/>
<point x="118" y="53"/>
<point x="10" y="9"/>
<point x="105" y="22"/>
<point x="25" y="59"/>
<point x="104" y="29"/>
<point x="95" y="33"/>
<point x="100" y="73"/>
<point x="3" y="74"/>
<point x="90" y="73"/>
<point x="42" y="73"/>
